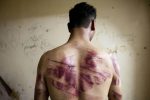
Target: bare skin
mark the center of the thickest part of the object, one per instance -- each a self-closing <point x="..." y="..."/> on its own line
<point x="78" y="71"/>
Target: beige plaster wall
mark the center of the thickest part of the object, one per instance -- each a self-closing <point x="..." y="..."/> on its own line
<point x="30" y="27"/>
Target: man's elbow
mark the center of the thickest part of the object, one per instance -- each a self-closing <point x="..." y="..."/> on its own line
<point x="40" y="95"/>
<point x="115" y="96"/>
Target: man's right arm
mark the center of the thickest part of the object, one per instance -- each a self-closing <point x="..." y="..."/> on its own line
<point x="41" y="91"/>
<point x="115" y="88"/>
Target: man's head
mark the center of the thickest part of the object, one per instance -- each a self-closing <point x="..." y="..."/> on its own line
<point x="82" y="15"/>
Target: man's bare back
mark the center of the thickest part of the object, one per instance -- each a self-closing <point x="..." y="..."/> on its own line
<point x="70" y="72"/>
<point x="77" y="70"/>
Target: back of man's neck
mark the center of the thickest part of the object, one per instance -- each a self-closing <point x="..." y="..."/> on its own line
<point x="80" y="41"/>
<point x="80" y="34"/>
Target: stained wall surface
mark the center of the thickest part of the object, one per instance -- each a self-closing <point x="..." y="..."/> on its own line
<point x="28" y="28"/>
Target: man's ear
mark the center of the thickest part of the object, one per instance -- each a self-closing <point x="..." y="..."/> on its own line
<point x="93" y="25"/>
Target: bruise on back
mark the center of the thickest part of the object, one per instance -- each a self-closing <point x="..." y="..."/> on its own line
<point x="64" y="77"/>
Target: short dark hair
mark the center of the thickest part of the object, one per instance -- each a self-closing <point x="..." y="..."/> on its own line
<point x="81" y="15"/>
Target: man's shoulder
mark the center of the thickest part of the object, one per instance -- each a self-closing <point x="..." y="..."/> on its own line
<point x="107" y="57"/>
<point x="50" y="54"/>
<point x="102" y="52"/>
<point x="55" y="52"/>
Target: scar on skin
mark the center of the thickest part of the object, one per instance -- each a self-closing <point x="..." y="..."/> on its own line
<point x="85" y="78"/>
<point x="69" y="75"/>
<point x="115" y="65"/>
<point x="64" y="70"/>
<point x="63" y="63"/>
<point x="65" y="67"/>
<point x="39" y="86"/>
<point x="101" y="77"/>
<point x="39" y="92"/>
<point x="90" y="59"/>
<point x="58" y="84"/>
<point x="86" y="82"/>
<point x="70" y="79"/>
<point x="70" y="86"/>
<point x="40" y="80"/>
<point x="58" y="72"/>
<point x="116" y="95"/>
<point x="115" y="81"/>
<point x="64" y="87"/>
<point x="94" y="71"/>
<point x="69" y="60"/>
<point x="90" y="80"/>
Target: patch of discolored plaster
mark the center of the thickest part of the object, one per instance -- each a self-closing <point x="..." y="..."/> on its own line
<point x="19" y="26"/>
<point x="47" y="30"/>
<point x="145" y="47"/>
<point x="113" y="7"/>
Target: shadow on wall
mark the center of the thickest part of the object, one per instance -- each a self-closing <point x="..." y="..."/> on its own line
<point x="142" y="69"/>
<point x="18" y="9"/>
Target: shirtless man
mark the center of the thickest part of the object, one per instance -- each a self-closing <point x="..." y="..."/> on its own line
<point x="77" y="70"/>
